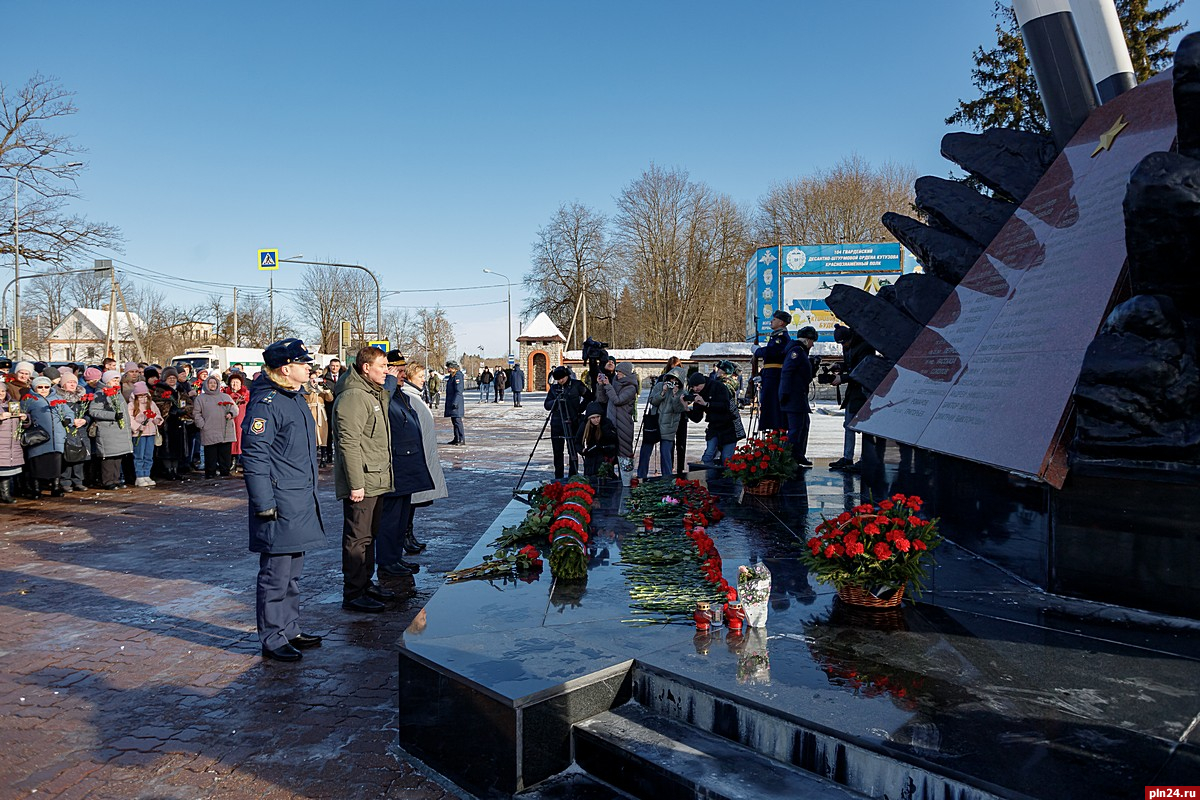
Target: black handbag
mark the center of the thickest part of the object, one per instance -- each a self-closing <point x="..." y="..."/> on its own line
<point x="75" y="449"/>
<point x="33" y="434"/>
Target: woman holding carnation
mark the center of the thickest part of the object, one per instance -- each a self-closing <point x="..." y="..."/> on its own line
<point x="175" y="407"/>
<point x="77" y="447"/>
<point x="214" y="413"/>
<point x="44" y="461"/>
<point x="237" y="390"/>
<point x="113" y="438"/>
<point x="145" y="431"/>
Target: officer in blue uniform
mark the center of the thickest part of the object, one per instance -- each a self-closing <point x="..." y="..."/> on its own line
<point x="279" y="460"/>
<point x="770" y="418"/>
<point x="455" y="408"/>
<point x="795" y="377"/>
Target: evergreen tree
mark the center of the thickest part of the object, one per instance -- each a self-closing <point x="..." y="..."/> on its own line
<point x="1008" y="92"/>
<point x="1147" y="36"/>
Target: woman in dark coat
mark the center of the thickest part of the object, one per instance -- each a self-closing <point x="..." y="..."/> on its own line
<point x="44" y="461"/>
<point x="597" y="440"/>
<point x="175" y="406"/>
<point x="409" y="474"/>
<point x="455" y="404"/>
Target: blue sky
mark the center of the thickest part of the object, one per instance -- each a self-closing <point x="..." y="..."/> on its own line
<point x="430" y="140"/>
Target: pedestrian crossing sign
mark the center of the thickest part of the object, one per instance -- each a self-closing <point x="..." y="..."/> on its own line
<point x="268" y="259"/>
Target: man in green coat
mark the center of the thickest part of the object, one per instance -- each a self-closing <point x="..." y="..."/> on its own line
<point x="362" y="471"/>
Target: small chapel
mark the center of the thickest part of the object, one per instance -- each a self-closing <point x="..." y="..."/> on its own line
<point x="540" y="350"/>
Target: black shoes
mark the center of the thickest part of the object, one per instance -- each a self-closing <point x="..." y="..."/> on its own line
<point x="109" y="487"/>
<point x="284" y="653"/>
<point x="364" y="604"/>
<point x="411" y="545"/>
<point x="305" y="641"/>
<point x="454" y="443"/>
<point x="399" y="569"/>
<point x="804" y="462"/>
<point x="844" y="465"/>
<point x="379" y="593"/>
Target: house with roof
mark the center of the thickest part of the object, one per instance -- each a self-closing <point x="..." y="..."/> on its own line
<point x="540" y="350"/>
<point x="83" y="336"/>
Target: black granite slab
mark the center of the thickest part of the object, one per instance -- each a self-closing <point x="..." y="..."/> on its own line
<point x="988" y="677"/>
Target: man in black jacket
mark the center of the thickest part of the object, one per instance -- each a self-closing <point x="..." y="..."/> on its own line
<point x="566" y="400"/>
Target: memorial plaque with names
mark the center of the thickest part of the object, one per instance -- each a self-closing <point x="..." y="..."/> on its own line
<point x="991" y="377"/>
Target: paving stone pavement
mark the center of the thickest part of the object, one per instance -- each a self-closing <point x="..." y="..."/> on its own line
<point x="129" y="663"/>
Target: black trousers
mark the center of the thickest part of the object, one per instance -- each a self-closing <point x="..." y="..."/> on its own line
<point x="393" y="527"/>
<point x="359" y="526"/>
<point x="559" y="443"/>
<point x="797" y="433"/>
<point x="218" y="458"/>
<point x="110" y="470"/>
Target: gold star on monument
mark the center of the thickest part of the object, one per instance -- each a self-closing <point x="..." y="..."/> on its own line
<point x="1109" y="136"/>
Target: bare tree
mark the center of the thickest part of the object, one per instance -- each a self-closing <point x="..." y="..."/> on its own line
<point x="436" y="336"/>
<point x="680" y="248"/>
<point x="40" y="162"/>
<point x="571" y="255"/>
<point x="839" y="205"/>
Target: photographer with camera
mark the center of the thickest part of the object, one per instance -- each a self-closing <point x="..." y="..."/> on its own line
<point x="566" y="399"/>
<point x="659" y="426"/>
<point x="709" y="399"/>
<point x="796" y="375"/>
<point x="597" y="440"/>
<point x="619" y="394"/>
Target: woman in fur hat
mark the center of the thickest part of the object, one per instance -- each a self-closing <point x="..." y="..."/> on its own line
<point x="77" y="448"/>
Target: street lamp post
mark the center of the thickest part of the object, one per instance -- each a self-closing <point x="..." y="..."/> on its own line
<point x="508" y="286"/>
<point x="378" y="291"/>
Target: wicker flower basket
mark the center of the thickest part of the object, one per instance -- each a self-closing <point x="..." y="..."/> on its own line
<point x="764" y="487"/>
<point x="857" y="596"/>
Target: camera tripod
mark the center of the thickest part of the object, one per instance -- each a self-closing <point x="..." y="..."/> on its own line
<point x="559" y="408"/>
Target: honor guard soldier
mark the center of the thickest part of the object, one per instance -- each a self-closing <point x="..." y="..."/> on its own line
<point x="279" y="459"/>
<point x="772" y="353"/>
<point x="795" y="377"/>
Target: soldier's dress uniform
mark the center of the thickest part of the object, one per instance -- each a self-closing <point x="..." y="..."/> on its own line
<point x="770" y="418"/>
<point x="795" y="378"/>
<point x="279" y="460"/>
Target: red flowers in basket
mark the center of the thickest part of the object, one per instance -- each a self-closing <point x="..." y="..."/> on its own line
<point x="762" y="458"/>
<point x="874" y="545"/>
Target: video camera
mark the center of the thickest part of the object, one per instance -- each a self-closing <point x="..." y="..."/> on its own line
<point x="830" y="371"/>
<point x="594" y="350"/>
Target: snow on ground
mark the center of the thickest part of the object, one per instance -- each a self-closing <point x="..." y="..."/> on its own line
<point x="512" y="432"/>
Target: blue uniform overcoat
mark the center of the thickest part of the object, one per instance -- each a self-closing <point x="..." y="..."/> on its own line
<point x="455" y="404"/>
<point x="279" y="459"/>
<point x="794" y="379"/>
<point x="772" y="353"/>
<point x="518" y="380"/>
<point x="409" y="472"/>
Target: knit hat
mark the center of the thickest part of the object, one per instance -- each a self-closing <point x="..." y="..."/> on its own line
<point x="140" y="387"/>
<point x="697" y="379"/>
<point x="52" y="373"/>
<point x="130" y="366"/>
<point x="26" y="366"/>
<point x="559" y="373"/>
<point x="108" y="376"/>
<point x="38" y="366"/>
<point x="91" y="374"/>
<point x="626" y="368"/>
<point x="594" y="408"/>
<point x="65" y="376"/>
<point x="40" y="380"/>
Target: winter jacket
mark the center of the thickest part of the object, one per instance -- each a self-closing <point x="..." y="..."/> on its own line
<point x="175" y="408"/>
<point x="240" y="398"/>
<point x="718" y="412"/>
<point x="455" y="402"/>
<point x="669" y="404"/>
<point x="214" y="413"/>
<point x="317" y="398"/>
<point x="794" y="380"/>
<point x="279" y="461"/>
<point x="146" y="418"/>
<point x="517" y="383"/>
<point x="42" y="413"/>
<point x="111" y="416"/>
<point x="501" y="380"/>
<point x="620" y="399"/>
<point x="429" y="442"/>
<point x="409" y="471"/>
<point x="11" y="452"/>
<point x="363" y="457"/>
<point x="566" y="403"/>
<point x="75" y="407"/>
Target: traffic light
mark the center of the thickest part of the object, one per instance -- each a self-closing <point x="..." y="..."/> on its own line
<point x="4" y="339"/>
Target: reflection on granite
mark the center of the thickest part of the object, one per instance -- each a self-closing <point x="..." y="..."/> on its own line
<point x="986" y="679"/>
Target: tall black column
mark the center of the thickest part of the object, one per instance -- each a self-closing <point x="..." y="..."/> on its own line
<point x="1063" y="79"/>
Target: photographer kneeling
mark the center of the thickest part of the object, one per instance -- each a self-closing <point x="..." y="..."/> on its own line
<point x="709" y="398"/>
<point x="565" y="400"/>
